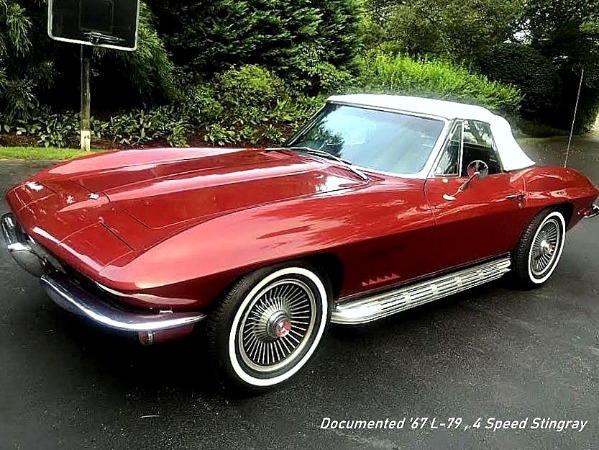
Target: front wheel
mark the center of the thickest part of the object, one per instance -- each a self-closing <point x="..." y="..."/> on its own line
<point x="268" y="325"/>
<point x="540" y="248"/>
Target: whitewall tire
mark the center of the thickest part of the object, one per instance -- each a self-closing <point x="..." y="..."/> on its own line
<point x="540" y="248"/>
<point x="268" y="326"/>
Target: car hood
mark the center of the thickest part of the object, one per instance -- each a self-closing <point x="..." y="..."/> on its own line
<point x="166" y="193"/>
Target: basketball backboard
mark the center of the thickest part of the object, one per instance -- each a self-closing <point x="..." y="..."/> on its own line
<point x="103" y="23"/>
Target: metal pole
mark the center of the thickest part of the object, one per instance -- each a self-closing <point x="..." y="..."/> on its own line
<point x="574" y="119"/>
<point x="86" y="55"/>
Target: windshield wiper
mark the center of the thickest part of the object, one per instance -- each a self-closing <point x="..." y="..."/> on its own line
<point x="326" y="155"/>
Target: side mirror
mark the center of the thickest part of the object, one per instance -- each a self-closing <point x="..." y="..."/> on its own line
<point x="476" y="169"/>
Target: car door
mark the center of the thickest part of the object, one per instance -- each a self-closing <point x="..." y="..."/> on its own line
<point x="486" y="218"/>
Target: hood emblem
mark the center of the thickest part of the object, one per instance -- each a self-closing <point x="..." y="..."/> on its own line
<point x="93" y="196"/>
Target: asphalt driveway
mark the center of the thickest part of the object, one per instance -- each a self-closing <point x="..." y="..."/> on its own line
<point x="493" y="353"/>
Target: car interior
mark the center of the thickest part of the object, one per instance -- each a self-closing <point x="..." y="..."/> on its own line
<point x="477" y="143"/>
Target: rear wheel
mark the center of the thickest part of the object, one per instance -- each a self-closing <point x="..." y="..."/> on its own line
<point x="540" y="249"/>
<point x="268" y="325"/>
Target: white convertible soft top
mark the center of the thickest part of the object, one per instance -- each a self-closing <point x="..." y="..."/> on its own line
<point x="511" y="154"/>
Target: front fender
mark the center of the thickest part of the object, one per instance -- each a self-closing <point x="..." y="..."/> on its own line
<point x="200" y="262"/>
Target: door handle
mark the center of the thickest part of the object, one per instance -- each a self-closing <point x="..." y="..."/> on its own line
<point x="518" y="197"/>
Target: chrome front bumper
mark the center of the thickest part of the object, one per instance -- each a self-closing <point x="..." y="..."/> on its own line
<point x="70" y="296"/>
<point x="592" y="212"/>
<point x="22" y="248"/>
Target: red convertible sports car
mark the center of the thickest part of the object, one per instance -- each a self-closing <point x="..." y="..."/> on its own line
<point x="378" y="204"/>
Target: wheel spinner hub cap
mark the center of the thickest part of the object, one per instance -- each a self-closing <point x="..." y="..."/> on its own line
<point x="546" y="247"/>
<point x="278" y="326"/>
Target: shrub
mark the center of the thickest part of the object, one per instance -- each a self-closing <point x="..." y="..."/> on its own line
<point x="217" y="134"/>
<point x="382" y="73"/>
<point x="208" y="37"/>
<point x="312" y="74"/>
<point x="140" y="127"/>
<point x="246" y="105"/>
<point x="525" y="68"/>
<point x="148" y="71"/>
<point x="248" y="94"/>
<point x="130" y="129"/>
<point x="52" y="130"/>
<point x="588" y="106"/>
<point x="201" y="106"/>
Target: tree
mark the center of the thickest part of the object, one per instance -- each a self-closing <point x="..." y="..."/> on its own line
<point x="290" y="38"/>
<point x="522" y="66"/>
<point x="567" y="32"/>
<point x="451" y="29"/>
<point x="36" y="71"/>
<point x="22" y="68"/>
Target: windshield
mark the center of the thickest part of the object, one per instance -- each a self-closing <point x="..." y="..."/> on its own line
<point x="385" y="141"/>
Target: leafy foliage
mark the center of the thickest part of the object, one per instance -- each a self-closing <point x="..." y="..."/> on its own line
<point x="567" y="32"/>
<point x="231" y="72"/>
<point x="36" y="71"/>
<point x="147" y="71"/>
<point x="248" y="105"/>
<point x="294" y="39"/>
<point x="380" y="72"/>
<point x="247" y="94"/>
<point x="449" y="29"/>
<point x="131" y="129"/>
<point x="20" y="74"/>
<point x="140" y="127"/>
<point x="525" y="68"/>
<point x="52" y="130"/>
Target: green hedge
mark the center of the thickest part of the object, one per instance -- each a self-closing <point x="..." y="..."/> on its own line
<point x="241" y="106"/>
<point x="383" y="73"/>
<point x="249" y="105"/>
<point x="588" y="106"/>
<point x="533" y="74"/>
<point x="302" y="41"/>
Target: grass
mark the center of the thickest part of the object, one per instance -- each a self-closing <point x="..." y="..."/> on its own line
<point x="40" y="153"/>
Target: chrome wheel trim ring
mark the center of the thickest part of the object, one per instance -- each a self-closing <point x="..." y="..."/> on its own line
<point x="286" y="300"/>
<point x="298" y="362"/>
<point x="546" y="248"/>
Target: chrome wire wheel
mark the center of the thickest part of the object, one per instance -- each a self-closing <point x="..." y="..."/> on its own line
<point x="278" y="318"/>
<point x="277" y="325"/>
<point x="546" y="247"/>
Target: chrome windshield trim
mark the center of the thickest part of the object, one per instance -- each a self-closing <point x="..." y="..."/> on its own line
<point x="391" y="110"/>
<point x="452" y="128"/>
<point x="423" y="173"/>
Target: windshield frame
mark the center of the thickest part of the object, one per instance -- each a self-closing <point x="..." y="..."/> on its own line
<point x="422" y="174"/>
